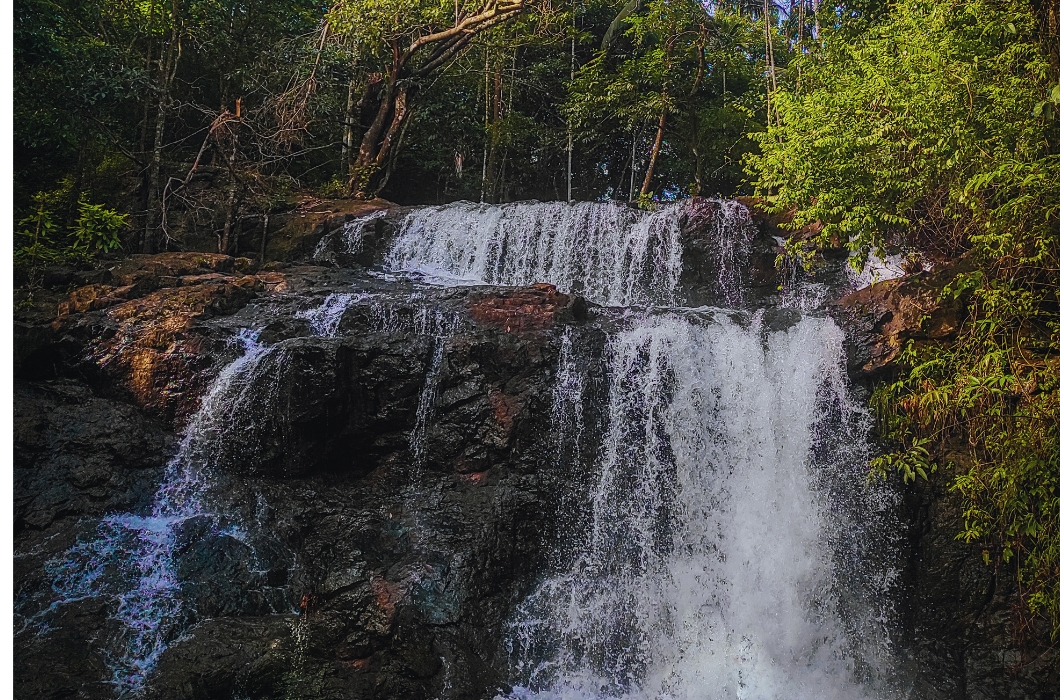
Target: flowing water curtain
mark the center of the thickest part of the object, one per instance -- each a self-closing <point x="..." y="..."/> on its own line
<point x="568" y="397"/>
<point x="709" y="566"/>
<point x="324" y="319"/>
<point x="609" y="253"/>
<point x="347" y="240"/>
<point x="132" y="560"/>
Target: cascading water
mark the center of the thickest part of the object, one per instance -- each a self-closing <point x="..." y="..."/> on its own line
<point x="729" y="547"/>
<point x="709" y="570"/>
<point x="725" y="559"/>
<point x="132" y="560"/>
<point x="325" y="319"/>
<point x="346" y="240"/>
<point x="609" y="253"/>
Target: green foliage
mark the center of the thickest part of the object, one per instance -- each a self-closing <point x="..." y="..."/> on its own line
<point x="930" y="126"/>
<point x="97" y="229"/>
<point x="703" y="69"/>
<point x="35" y="233"/>
<point x="910" y="463"/>
<point x="994" y="392"/>
<point x="373" y="24"/>
<point x="40" y="241"/>
<point x="909" y="127"/>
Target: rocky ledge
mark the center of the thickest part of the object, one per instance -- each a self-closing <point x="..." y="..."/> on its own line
<point x="381" y="551"/>
<point x="963" y="631"/>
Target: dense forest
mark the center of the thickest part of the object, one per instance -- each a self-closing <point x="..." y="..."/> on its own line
<point x="930" y="128"/>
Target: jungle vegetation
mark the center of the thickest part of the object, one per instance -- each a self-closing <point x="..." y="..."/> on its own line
<point x="897" y="124"/>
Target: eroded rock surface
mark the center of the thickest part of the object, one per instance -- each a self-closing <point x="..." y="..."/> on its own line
<point x="395" y="479"/>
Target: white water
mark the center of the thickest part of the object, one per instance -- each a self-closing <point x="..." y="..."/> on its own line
<point x="726" y="556"/>
<point x="131" y="562"/>
<point x="324" y="320"/>
<point x="730" y="548"/>
<point x="709" y="569"/>
<point x="610" y="253"/>
<point x="348" y="239"/>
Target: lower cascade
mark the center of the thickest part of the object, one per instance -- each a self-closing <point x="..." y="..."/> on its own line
<point x="710" y="569"/>
<point x="552" y="499"/>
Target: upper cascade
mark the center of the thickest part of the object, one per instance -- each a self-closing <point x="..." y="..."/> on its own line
<point x="610" y="253"/>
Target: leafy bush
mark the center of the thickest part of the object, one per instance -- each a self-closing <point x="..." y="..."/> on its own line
<point x="96" y="229"/>
<point x="933" y="127"/>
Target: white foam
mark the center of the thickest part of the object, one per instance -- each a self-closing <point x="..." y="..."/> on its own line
<point x="709" y="571"/>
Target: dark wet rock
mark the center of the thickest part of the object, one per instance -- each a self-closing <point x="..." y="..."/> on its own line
<point x="700" y="278"/>
<point x="966" y="634"/>
<point x="297" y="234"/>
<point x="80" y="455"/>
<point x="76" y="456"/>
<point x="348" y="562"/>
<point x="246" y="657"/>
<point x="382" y="498"/>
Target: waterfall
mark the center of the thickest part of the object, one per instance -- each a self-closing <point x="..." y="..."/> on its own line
<point x="568" y="401"/>
<point x="131" y="562"/>
<point x="733" y="548"/>
<point x="324" y="320"/>
<point x="338" y="245"/>
<point x="610" y="253"/>
<point x="730" y="234"/>
<point x="709" y="569"/>
<point x="425" y="406"/>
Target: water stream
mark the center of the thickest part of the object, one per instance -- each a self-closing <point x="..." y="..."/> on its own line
<point x="132" y="560"/>
<point x="710" y="569"/>
<point x="734" y="549"/>
<point x="609" y="253"/>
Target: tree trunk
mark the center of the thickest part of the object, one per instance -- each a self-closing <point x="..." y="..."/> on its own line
<point x="365" y="165"/>
<point x="264" y="238"/>
<point x="347" y="132"/>
<point x="167" y="73"/>
<point x="224" y="243"/>
<point x="377" y="142"/>
<point x="400" y="113"/>
<point x="656" y="147"/>
<point x="1048" y="12"/>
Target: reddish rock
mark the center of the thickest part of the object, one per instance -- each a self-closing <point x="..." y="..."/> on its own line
<point x="475" y="478"/>
<point x="154" y="353"/>
<point x="505" y="409"/>
<point x="274" y="281"/>
<point x="139" y="267"/>
<point x="387" y="596"/>
<point x="904" y="309"/>
<point x="525" y="308"/>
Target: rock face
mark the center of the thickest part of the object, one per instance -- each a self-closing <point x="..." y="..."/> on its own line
<point x="385" y="480"/>
<point x="964" y="632"/>
<point x="77" y="457"/>
<point x="396" y="478"/>
<point x="963" y="627"/>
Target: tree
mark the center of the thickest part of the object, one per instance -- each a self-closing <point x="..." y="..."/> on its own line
<point x="685" y="72"/>
<point x="404" y="42"/>
<point x="927" y="128"/>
